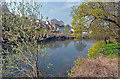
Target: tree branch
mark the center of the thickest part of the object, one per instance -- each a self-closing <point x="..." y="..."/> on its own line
<point x="106" y="19"/>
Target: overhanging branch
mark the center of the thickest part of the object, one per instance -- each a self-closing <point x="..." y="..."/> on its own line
<point x="112" y="21"/>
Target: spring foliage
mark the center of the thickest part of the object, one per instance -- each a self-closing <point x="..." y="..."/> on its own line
<point x="99" y="19"/>
<point x="100" y="48"/>
<point x="20" y="46"/>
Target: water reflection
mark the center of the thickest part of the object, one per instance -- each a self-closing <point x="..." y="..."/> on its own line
<point x="64" y="53"/>
<point x="79" y="45"/>
<point x="53" y="58"/>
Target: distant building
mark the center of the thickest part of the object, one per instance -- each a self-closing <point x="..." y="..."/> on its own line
<point x="72" y="30"/>
<point x="58" y="29"/>
<point x="47" y="22"/>
<point x="54" y="21"/>
<point x="57" y="23"/>
<point x="61" y="29"/>
<point x="53" y="25"/>
<point x="44" y="25"/>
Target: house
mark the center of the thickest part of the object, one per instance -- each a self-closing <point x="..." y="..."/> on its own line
<point x="44" y="25"/>
<point x="57" y="23"/>
<point x="72" y="30"/>
<point x="58" y="26"/>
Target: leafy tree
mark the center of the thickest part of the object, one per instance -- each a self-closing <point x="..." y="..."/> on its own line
<point x="21" y="50"/>
<point x="100" y="19"/>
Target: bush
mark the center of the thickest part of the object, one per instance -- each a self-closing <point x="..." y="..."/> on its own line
<point x="77" y="63"/>
<point x="100" y="48"/>
<point x="94" y="51"/>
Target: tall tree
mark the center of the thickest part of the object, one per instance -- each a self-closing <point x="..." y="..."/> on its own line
<point x="98" y="17"/>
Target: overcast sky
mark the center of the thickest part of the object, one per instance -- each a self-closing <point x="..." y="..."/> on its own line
<point x="58" y="10"/>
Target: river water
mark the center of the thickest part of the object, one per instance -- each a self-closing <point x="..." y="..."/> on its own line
<point x="59" y="59"/>
<point x="62" y="55"/>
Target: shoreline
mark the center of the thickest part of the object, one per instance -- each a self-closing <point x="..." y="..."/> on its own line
<point x="99" y="67"/>
<point x="102" y="61"/>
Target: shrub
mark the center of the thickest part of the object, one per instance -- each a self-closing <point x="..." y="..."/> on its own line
<point x="100" y="48"/>
<point x="94" y="51"/>
<point x="77" y="63"/>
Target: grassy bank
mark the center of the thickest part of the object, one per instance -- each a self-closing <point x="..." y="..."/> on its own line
<point x="109" y="50"/>
<point x="102" y="61"/>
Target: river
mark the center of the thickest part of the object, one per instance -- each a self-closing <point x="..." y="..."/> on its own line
<point x="62" y="55"/>
<point x="59" y="59"/>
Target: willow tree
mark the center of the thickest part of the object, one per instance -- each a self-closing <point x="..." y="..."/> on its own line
<point x="21" y="51"/>
<point x="98" y="18"/>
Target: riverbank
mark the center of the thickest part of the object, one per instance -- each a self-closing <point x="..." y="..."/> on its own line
<point x="99" y="67"/>
<point x="102" y="61"/>
<point x="49" y="35"/>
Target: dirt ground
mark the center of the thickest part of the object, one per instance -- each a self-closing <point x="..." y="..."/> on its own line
<point x="99" y="67"/>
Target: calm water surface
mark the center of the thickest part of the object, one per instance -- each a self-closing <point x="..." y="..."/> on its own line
<point x="62" y="55"/>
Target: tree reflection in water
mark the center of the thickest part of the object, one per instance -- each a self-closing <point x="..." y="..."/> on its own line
<point x="79" y="45"/>
<point x="54" y="44"/>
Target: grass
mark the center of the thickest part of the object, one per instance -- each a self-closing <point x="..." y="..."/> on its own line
<point x="109" y="50"/>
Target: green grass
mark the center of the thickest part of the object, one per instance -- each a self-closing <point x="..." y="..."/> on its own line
<point x="109" y="50"/>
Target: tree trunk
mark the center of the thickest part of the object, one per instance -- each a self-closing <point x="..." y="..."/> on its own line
<point x="37" y="63"/>
<point x="105" y="40"/>
<point x="109" y="41"/>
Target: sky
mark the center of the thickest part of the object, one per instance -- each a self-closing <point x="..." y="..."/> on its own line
<point x="58" y="10"/>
